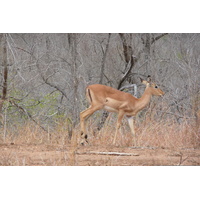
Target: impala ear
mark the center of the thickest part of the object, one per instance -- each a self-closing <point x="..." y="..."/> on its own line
<point x="149" y="78"/>
<point x="144" y="82"/>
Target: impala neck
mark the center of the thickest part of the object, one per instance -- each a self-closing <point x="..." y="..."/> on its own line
<point x="144" y="100"/>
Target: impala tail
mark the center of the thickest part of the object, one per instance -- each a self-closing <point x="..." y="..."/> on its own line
<point x="88" y="94"/>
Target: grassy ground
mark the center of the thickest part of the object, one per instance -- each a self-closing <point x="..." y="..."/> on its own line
<point x="158" y="143"/>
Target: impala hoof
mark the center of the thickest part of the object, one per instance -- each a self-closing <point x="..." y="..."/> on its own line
<point x="84" y="142"/>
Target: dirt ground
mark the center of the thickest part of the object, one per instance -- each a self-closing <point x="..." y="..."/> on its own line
<point x="57" y="155"/>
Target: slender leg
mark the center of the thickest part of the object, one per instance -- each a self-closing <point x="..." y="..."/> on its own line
<point x="85" y="115"/>
<point x="119" y="121"/>
<point x="131" y="125"/>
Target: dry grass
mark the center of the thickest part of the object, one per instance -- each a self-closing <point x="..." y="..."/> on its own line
<point x="150" y="133"/>
<point x="56" y="148"/>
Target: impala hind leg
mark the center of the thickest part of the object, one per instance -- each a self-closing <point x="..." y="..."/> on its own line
<point x="131" y="122"/>
<point x="84" y="115"/>
<point x="119" y="121"/>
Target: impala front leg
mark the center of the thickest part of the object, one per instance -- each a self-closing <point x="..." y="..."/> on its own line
<point x="119" y="121"/>
<point x="83" y="115"/>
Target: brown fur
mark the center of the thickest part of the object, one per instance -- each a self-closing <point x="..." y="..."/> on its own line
<point x="108" y="98"/>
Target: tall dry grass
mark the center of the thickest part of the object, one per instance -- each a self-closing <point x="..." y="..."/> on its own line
<point x="28" y="144"/>
<point x="149" y="133"/>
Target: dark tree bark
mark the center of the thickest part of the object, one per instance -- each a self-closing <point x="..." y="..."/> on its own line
<point x="5" y="71"/>
<point x="130" y="60"/>
<point x="104" y="60"/>
<point x="148" y="40"/>
<point x="75" y="116"/>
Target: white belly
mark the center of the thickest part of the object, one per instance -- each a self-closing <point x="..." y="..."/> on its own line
<point x="110" y="109"/>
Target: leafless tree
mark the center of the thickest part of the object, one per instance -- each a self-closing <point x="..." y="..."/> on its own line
<point x="44" y="76"/>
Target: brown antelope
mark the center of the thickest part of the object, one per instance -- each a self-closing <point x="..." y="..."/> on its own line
<point x="112" y="100"/>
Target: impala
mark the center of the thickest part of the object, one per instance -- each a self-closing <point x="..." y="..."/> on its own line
<point x="113" y="100"/>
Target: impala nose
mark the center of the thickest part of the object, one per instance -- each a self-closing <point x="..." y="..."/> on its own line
<point x="161" y="93"/>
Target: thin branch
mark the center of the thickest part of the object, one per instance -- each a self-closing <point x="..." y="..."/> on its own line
<point x="27" y="113"/>
<point x="50" y="84"/>
<point x="129" y="68"/>
<point x="158" y="37"/>
<point x="25" y="51"/>
<point x="130" y="86"/>
<point x="56" y="87"/>
<point x="182" y="160"/>
<point x="108" y="153"/>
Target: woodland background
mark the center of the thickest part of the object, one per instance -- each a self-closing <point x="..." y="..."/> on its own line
<point x="43" y="76"/>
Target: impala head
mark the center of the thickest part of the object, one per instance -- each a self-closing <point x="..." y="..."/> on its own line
<point x="155" y="90"/>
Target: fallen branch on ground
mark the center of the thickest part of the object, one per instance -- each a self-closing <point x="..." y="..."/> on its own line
<point x="109" y="153"/>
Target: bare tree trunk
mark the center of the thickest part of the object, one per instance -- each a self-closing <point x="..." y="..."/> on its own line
<point x="5" y="77"/>
<point x="5" y="72"/>
<point x="105" y="113"/>
<point x="73" y="42"/>
<point x="47" y="47"/>
<point x="129" y="64"/>
<point x="130" y="61"/>
<point x="75" y="79"/>
<point x="148" y="39"/>
<point x="5" y="65"/>
<point x="104" y="60"/>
